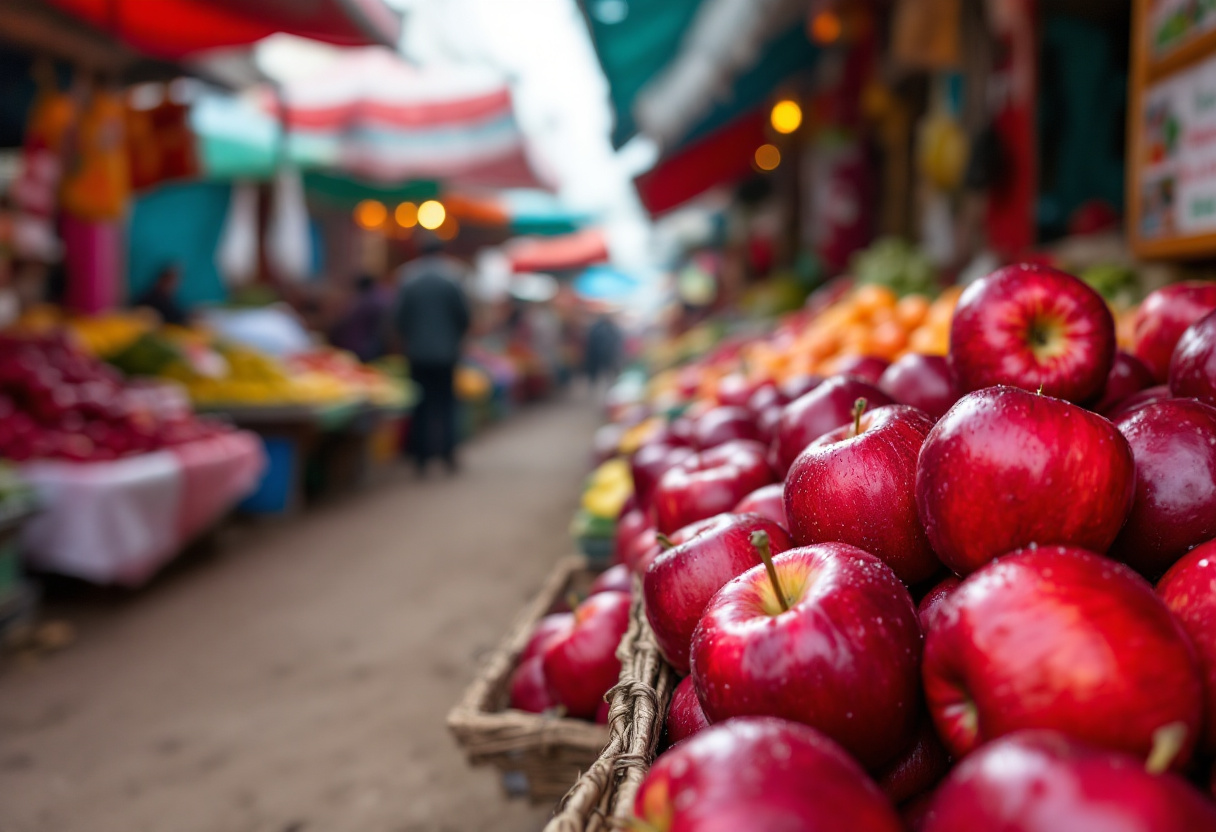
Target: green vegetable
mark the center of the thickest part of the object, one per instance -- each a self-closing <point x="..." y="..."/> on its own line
<point x="896" y="264"/>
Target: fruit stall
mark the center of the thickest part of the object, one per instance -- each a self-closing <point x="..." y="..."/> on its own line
<point x="979" y="531"/>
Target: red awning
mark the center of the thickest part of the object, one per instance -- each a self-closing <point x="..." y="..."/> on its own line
<point x="556" y="254"/>
<point x="176" y="28"/>
<point x="721" y="158"/>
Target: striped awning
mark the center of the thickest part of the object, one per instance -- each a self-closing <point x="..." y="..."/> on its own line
<point x="175" y="29"/>
<point x="374" y="115"/>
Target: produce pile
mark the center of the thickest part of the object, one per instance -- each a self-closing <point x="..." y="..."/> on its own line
<point x="58" y="402"/>
<point x="570" y="661"/>
<point x="968" y="591"/>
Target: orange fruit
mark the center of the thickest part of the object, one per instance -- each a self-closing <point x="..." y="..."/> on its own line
<point x="911" y="310"/>
<point x="887" y="339"/>
<point x="869" y="297"/>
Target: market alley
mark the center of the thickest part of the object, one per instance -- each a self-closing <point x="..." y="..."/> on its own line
<point x="296" y="679"/>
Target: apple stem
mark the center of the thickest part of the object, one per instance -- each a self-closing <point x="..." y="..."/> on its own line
<point x="664" y="541"/>
<point x="1167" y="744"/>
<point x="761" y="543"/>
<point x="572" y="599"/>
<point x="859" y="407"/>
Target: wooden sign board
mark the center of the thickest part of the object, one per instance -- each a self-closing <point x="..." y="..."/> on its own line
<point x="1171" y="183"/>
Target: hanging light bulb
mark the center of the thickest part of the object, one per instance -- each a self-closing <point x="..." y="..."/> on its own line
<point x="370" y="214"/>
<point x="786" y="116"/>
<point x="406" y="215"/>
<point x="431" y="214"/>
<point x="768" y="157"/>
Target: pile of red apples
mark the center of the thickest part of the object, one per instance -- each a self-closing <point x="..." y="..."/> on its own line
<point x="950" y="594"/>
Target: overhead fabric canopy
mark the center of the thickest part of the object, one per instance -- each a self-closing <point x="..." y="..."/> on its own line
<point x="557" y="254"/>
<point x="175" y="29"/>
<point x="373" y="115"/>
<point x="606" y="284"/>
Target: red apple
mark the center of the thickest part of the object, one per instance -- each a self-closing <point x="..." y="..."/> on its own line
<point x="767" y="396"/>
<point x="684" y="714"/>
<point x="760" y="775"/>
<point x="734" y="390"/>
<point x="628" y="527"/>
<point x="768" y="501"/>
<point x="1164" y="316"/>
<point x="843" y="658"/>
<point x="548" y="628"/>
<point x="649" y="463"/>
<point x="799" y="386"/>
<point x="1043" y="781"/>
<point x="922" y="381"/>
<point x="680" y="581"/>
<point x="1065" y="639"/>
<point x="1127" y="376"/>
<point x="1193" y="367"/>
<point x="528" y="689"/>
<point x="601" y="713"/>
<point x="825" y="408"/>
<point x="1138" y="400"/>
<point x="581" y="665"/>
<point x="857" y="485"/>
<point x="865" y="367"/>
<point x="1174" y="445"/>
<point x="1033" y="327"/>
<point x="709" y="483"/>
<point x="1006" y="468"/>
<point x="919" y="768"/>
<point x="929" y="606"/>
<point x="721" y="425"/>
<point x="616" y="578"/>
<point x="641" y="551"/>
<point x="1189" y="590"/>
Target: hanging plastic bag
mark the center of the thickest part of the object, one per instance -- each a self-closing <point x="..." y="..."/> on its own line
<point x="236" y="256"/>
<point x="288" y="237"/>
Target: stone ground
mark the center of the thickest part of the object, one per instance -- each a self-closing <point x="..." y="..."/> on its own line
<point x="295" y="676"/>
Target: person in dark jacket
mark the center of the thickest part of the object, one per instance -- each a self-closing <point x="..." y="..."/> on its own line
<point x="360" y="330"/>
<point x="161" y="296"/>
<point x="603" y="354"/>
<point x="431" y="319"/>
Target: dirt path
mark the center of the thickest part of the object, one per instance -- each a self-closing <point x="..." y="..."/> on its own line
<point x="296" y="680"/>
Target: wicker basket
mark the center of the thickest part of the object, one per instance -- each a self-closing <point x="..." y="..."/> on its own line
<point x="539" y="756"/>
<point x="602" y="799"/>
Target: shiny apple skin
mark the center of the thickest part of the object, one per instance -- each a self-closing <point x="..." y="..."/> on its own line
<point x="1189" y="590"/>
<point x="824" y="408"/>
<point x="1162" y="318"/>
<point x="723" y="424"/>
<point x="649" y="463"/>
<point x="552" y="625"/>
<point x="1061" y="639"/>
<point x="922" y="381"/>
<point x="1193" y="367"/>
<point x="709" y="483"/>
<point x="616" y="578"/>
<point x="757" y="774"/>
<point x="628" y="526"/>
<point x="768" y="501"/>
<point x="1043" y="781"/>
<point x="865" y="367"/>
<point x="681" y="581"/>
<point x="918" y="768"/>
<point x="528" y="689"/>
<point x="1136" y="401"/>
<point x="861" y="490"/>
<point x="1127" y="376"/>
<point x="929" y="606"/>
<point x="993" y="331"/>
<point x="582" y="665"/>
<point x="1174" y="445"/>
<point x="684" y="714"/>
<point x="1006" y="468"/>
<point x="844" y="658"/>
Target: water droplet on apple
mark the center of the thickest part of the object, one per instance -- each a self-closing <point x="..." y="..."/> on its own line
<point x="1203" y="562"/>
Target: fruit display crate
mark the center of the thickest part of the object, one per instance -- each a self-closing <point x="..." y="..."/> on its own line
<point x="602" y="798"/>
<point x="539" y="756"/>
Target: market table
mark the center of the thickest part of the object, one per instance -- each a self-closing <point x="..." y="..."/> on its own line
<point x="119" y="522"/>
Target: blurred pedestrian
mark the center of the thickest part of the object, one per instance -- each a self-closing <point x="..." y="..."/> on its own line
<point x="431" y="319"/>
<point x="603" y="353"/>
<point x="161" y="296"/>
<point x="361" y="328"/>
